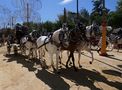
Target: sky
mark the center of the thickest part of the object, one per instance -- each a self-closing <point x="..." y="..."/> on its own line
<point x="52" y="8"/>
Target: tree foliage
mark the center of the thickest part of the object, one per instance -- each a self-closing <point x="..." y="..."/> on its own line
<point x="115" y="18"/>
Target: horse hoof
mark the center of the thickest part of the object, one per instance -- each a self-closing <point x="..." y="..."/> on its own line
<point x="90" y="62"/>
<point x="75" y="69"/>
<point x="67" y="66"/>
<point x="80" y="66"/>
<point x="60" y="62"/>
<point x="58" y="72"/>
<point x="60" y="66"/>
<point x="70" y="63"/>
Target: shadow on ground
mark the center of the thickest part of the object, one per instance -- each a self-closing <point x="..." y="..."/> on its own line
<point x="20" y="59"/>
<point x="112" y="66"/>
<point x="113" y="57"/>
<point x="83" y="77"/>
<point x="119" y="66"/>
<point x="87" y="78"/>
<point x="54" y="81"/>
<point x="112" y="72"/>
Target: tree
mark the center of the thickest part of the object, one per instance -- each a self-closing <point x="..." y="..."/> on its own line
<point x="72" y="17"/>
<point x="119" y="7"/>
<point x="97" y="6"/>
<point x="97" y="11"/>
<point x="28" y="9"/>
<point x="115" y="18"/>
<point x="48" y="26"/>
<point x="84" y="16"/>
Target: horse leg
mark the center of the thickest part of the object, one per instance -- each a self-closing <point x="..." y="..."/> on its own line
<point x="68" y="60"/>
<point x="39" y="54"/>
<point x="98" y="51"/>
<point x="52" y="63"/>
<point x="57" y="59"/>
<point x="36" y="53"/>
<point x="112" y="47"/>
<point x="29" y="54"/>
<point x="117" y="47"/>
<point x="61" y="54"/>
<point x="9" y="49"/>
<point x="70" y="63"/>
<point x="73" y="60"/>
<point x="24" y="50"/>
<point x="79" y="55"/>
<point x="91" y="55"/>
<point x="60" y="57"/>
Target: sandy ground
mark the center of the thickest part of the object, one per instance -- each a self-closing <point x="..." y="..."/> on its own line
<point x="17" y="73"/>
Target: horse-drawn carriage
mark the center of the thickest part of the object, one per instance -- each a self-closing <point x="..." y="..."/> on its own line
<point x="13" y="39"/>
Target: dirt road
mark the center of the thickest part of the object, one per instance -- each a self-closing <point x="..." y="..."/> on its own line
<point x="16" y="73"/>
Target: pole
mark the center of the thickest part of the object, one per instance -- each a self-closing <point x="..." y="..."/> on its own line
<point x="12" y="22"/>
<point x="77" y="11"/>
<point x="65" y="17"/>
<point x="27" y="14"/>
<point x="103" y="48"/>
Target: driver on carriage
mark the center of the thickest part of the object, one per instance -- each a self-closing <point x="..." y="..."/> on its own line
<point x="21" y="31"/>
<point x="25" y="30"/>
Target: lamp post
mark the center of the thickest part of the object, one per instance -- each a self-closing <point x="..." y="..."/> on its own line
<point x="103" y="47"/>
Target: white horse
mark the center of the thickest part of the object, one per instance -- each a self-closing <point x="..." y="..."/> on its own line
<point x="115" y="40"/>
<point x="92" y="30"/>
<point x="44" y="44"/>
<point x="26" y="44"/>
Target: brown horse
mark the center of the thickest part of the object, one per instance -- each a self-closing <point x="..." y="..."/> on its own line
<point x="76" y="38"/>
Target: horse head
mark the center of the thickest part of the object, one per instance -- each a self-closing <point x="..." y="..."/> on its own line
<point x="34" y="35"/>
<point x="78" y="33"/>
<point x="61" y="37"/>
<point x="92" y="31"/>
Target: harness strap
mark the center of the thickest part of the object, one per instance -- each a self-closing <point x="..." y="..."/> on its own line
<point x="45" y="45"/>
